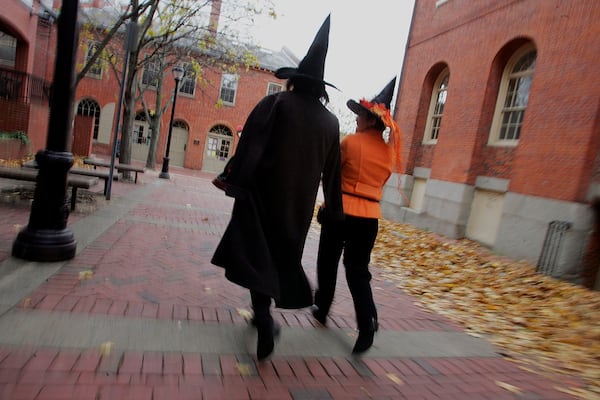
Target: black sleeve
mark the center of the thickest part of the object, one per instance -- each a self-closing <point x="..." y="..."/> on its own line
<point x="254" y="139"/>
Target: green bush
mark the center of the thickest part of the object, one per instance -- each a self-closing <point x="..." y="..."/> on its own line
<point x="18" y="135"/>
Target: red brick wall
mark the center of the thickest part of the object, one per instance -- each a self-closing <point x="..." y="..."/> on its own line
<point x="13" y="116"/>
<point x="38" y="126"/>
<point x="559" y="137"/>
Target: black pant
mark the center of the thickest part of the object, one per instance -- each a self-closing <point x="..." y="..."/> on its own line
<point x="354" y="236"/>
<point x="261" y="305"/>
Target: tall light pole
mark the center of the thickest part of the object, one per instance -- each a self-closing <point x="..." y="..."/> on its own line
<point x="47" y="237"/>
<point x="177" y="75"/>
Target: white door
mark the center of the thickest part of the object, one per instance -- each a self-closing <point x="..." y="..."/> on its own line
<point x="219" y="144"/>
<point x="179" y="138"/>
<point x="141" y="141"/>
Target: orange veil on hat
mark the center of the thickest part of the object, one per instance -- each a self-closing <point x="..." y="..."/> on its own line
<point x="379" y="106"/>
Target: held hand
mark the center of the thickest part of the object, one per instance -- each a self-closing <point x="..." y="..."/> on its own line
<point x="321" y="214"/>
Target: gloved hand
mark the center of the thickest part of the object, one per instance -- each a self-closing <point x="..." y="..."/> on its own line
<point x="321" y="215"/>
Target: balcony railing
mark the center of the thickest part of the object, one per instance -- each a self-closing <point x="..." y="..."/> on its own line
<point x="23" y="88"/>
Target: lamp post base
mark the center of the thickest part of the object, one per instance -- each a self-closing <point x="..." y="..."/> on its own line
<point x="164" y="173"/>
<point x="45" y="245"/>
<point x="46" y="237"/>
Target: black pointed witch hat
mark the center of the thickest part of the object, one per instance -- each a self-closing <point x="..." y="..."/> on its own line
<point x="312" y="65"/>
<point x="384" y="98"/>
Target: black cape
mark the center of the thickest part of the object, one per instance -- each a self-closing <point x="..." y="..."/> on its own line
<point x="289" y="143"/>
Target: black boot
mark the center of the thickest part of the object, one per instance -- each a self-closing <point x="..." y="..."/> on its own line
<point x="267" y="333"/>
<point x="365" y="337"/>
<point x="318" y="314"/>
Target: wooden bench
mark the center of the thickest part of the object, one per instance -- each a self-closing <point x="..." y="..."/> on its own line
<point x="79" y="171"/>
<point x="30" y="174"/>
<point x="119" y="167"/>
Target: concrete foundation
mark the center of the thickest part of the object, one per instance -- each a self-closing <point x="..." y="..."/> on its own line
<point x="523" y="226"/>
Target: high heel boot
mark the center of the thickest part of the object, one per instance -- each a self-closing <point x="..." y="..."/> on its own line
<point x="318" y="314"/>
<point x="267" y="333"/>
<point x="365" y="337"/>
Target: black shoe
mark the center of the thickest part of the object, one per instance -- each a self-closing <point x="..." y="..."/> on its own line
<point x="267" y="334"/>
<point x="318" y="315"/>
<point x="364" y="342"/>
<point x="365" y="338"/>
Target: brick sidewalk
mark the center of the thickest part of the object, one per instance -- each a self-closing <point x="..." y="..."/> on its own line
<point x="152" y="266"/>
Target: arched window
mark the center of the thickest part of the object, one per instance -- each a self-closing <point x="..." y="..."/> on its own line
<point x="436" y="107"/>
<point x="180" y="124"/>
<point x="219" y="142"/>
<point x="513" y="96"/>
<point x="90" y="108"/>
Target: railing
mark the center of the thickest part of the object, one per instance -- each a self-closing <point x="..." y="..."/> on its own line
<point x="23" y="88"/>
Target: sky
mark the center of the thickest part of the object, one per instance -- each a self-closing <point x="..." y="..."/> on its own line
<point x="367" y="40"/>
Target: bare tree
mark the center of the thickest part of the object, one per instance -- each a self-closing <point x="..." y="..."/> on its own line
<point x="169" y="31"/>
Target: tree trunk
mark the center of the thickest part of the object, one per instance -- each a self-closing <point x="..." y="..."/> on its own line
<point x="155" y="124"/>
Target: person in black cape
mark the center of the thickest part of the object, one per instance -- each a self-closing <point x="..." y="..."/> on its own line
<point x="289" y="146"/>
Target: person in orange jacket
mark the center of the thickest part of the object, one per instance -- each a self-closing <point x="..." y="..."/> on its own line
<point x="368" y="158"/>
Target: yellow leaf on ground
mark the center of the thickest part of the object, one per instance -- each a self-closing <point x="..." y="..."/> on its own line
<point x="247" y="315"/>
<point x="245" y="369"/>
<point x="394" y="378"/>
<point x="105" y="348"/>
<point x="508" y="386"/>
<point x="88" y="274"/>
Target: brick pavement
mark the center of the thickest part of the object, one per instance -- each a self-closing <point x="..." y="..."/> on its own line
<point x="149" y="269"/>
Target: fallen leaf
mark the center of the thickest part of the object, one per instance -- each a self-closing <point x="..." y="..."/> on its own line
<point x="247" y="315"/>
<point x="394" y="378"/>
<point x="509" y="387"/>
<point x="88" y="274"/>
<point x="106" y="348"/>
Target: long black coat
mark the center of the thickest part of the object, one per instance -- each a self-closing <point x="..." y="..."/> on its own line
<point x="290" y="142"/>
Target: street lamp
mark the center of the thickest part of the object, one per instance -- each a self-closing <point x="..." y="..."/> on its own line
<point x="177" y="75"/>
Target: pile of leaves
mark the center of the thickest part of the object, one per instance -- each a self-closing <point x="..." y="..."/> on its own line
<point x="540" y="322"/>
<point x="77" y="162"/>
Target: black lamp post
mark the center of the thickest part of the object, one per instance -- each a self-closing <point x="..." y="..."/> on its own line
<point x="47" y="237"/>
<point x="177" y="74"/>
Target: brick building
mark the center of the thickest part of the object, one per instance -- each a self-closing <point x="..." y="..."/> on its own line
<point x="499" y="105"/>
<point x="203" y="136"/>
<point x="27" y="53"/>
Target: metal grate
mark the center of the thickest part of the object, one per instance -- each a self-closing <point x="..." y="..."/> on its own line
<point x="552" y="245"/>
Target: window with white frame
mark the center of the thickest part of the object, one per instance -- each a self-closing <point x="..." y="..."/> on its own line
<point x="151" y="73"/>
<point x="273" y="88"/>
<point x="513" y="96"/>
<point x="436" y="108"/>
<point x="228" y="88"/>
<point x="188" y="83"/>
<point x="95" y="69"/>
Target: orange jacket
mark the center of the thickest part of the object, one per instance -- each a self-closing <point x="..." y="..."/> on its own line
<point x="367" y="163"/>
